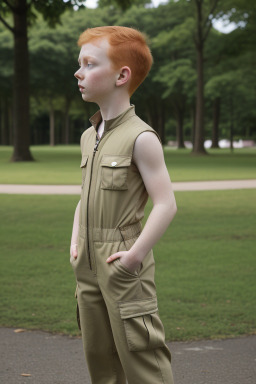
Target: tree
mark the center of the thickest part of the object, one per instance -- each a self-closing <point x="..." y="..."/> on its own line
<point x="179" y="80"/>
<point x="205" y="11"/>
<point x="176" y="73"/>
<point x="123" y="4"/>
<point x="231" y="75"/>
<point x="53" y="63"/>
<point x="159" y="24"/>
<point x="53" y="58"/>
<point x="23" y="13"/>
<point x="6" y="79"/>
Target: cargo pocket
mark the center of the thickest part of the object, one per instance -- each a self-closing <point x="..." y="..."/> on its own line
<point x="83" y="166"/>
<point x="143" y="327"/>
<point x="114" y="172"/>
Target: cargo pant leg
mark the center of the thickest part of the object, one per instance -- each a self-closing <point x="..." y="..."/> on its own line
<point x="151" y="365"/>
<point x="100" y="352"/>
<point x="137" y="329"/>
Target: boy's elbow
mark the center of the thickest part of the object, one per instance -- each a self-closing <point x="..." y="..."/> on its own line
<point x="173" y="209"/>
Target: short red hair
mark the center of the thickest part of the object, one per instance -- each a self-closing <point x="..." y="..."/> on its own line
<point x="128" y="47"/>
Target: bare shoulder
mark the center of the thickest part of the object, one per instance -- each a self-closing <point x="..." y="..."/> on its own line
<point x="147" y="148"/>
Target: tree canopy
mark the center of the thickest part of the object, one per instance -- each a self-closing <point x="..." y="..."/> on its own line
<point x="168" y="98"/>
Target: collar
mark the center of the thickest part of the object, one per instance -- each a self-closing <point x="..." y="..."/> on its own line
<point x="112" y="123"/>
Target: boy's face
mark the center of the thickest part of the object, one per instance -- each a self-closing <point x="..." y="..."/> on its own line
<point x="96" y="75"/>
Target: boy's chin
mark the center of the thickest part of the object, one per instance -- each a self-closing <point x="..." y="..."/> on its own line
<point x="87" y="98"/>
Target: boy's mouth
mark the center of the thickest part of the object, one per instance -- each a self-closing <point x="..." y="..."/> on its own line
<point x="80" y="88"/>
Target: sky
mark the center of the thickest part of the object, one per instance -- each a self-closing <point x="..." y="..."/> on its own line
<point x="218" y="24"/>
<point x="93" y="3"/>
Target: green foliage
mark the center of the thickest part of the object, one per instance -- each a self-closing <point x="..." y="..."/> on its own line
<point x="178" y="77"/>
<point x="232" y="78"/>
<point x="123" y="4"/>
<point x="50" y="11"/>
<point x="6" y="61"/>
<point x="168" y="94"/>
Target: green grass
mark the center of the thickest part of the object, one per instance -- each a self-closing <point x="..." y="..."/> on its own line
<point x="61" y="165"/>
<point x="205" y="265"/>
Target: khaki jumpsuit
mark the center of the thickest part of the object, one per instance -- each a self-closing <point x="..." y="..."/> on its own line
<point x="123" y="336"/>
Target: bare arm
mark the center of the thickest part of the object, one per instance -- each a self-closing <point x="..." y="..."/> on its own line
<point x="73" y="246"/>
<point x="148" y="156"/>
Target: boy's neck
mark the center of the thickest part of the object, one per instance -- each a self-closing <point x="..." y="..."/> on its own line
<point x="111" y="109"/>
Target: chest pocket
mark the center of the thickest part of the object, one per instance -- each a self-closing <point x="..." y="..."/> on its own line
<point x="83" y="166"/>
<point x="114" y="172"/>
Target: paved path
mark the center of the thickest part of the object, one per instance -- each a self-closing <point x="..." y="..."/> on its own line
<point x="55" y="359"/>
<point x="76" y="189"/>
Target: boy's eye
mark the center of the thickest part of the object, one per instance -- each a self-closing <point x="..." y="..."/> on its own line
<point x="89" y="65"/>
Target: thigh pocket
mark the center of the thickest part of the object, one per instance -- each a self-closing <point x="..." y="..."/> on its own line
<point x="114" y="172"/>
<point x="143" y="327"/>
<point x="83" y="166"/>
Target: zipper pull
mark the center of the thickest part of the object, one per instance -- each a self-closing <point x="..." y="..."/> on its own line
<point x="96" y="146"/>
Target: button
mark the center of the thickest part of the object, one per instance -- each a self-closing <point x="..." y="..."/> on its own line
<point x="114" y="163"/>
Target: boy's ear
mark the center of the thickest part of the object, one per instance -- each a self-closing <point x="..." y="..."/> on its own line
<point x="124" y="76"/>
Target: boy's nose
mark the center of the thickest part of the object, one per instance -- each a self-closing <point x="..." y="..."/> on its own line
<point x="77" y="74"/>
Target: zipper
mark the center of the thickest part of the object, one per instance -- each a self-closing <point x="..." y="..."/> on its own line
<point x="88" y="198"/>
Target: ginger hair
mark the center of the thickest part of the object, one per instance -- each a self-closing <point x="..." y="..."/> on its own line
<point x="128" y="47"/>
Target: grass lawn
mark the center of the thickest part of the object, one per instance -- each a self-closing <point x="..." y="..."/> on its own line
<point x="205" y="265"/>
<point x="61" y="165"/>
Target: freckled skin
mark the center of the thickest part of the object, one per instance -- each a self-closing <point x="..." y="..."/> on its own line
<point x="96" y="74"/>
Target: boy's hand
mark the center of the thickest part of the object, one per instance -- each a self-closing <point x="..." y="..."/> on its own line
<point x="73" y="251"/>
<point x="129" y="261"/>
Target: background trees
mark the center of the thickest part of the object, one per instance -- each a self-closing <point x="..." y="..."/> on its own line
<point x="23" y="13"/>
<point x="187" y="96"/>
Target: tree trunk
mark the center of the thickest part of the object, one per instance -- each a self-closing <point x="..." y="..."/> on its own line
<point x="1" y="121"/>
<point x="11" y="119"/>
<point x="155" y="115"/>
<point x="198" y="147"/>
<point x="5" y="123"/>
<point x="149" y="115"/>
<point x="66" y="121"/>
<point x="179" y="127"/>
<point x="199" y="122"/>
<point x="231" y="124"/>
<point x="193" y="119"/>
<point x="216" y="119"/>
<point x="21" y="84"/>
<point x="52" y="125"/>
<point x="161" y="121"/>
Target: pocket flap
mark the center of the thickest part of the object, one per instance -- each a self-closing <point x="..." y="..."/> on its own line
<point x="116" y="161"/>
<point x="136" y="308"/>
<point x="84" y="161"/>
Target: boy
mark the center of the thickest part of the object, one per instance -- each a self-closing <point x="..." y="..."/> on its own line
<point x="122" y="163"/>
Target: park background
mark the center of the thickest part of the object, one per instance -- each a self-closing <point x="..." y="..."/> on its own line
<point x="202" y="87"/>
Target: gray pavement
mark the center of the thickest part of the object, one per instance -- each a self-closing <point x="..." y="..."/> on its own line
<point x="177" y="186"/>
<point x="57" y="359"/>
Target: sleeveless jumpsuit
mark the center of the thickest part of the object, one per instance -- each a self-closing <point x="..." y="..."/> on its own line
<point x="123" y="336"/>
